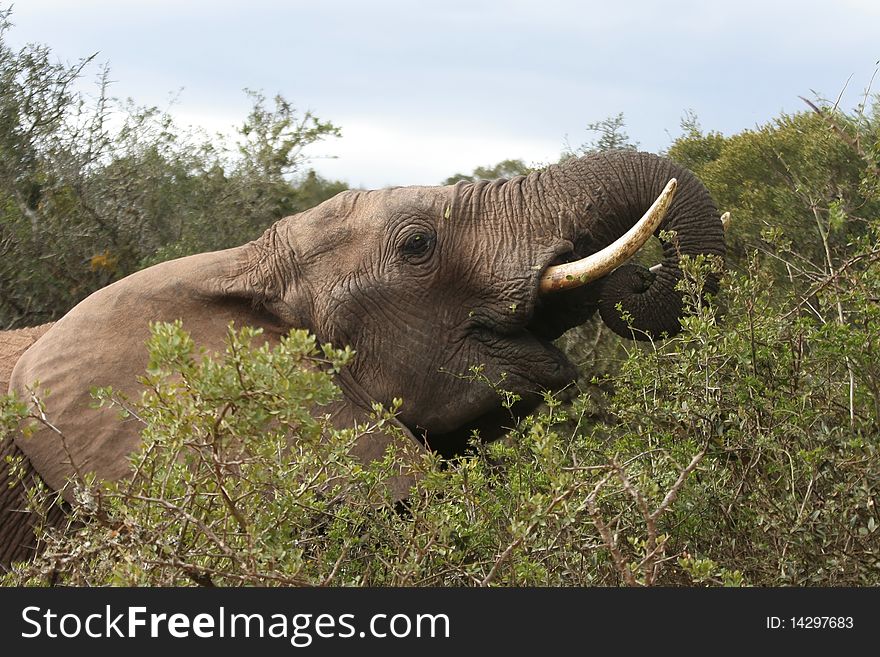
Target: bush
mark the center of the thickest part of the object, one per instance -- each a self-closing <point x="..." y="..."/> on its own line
<point x="221" y="494"/>
<point x="742" y="451"/>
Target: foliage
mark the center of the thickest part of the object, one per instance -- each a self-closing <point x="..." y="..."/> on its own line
<point x="743" y="451"/>
<point x="797" y="187"/>
<point x="240" y="481"/>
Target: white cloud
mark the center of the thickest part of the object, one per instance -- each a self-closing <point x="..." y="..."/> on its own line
<point x="423" y="90"/>
<point x="375" y="154"/>
<point x="871" y="7"/>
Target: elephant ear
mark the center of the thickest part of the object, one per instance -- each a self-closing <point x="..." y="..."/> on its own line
<point x="101" y="342"/>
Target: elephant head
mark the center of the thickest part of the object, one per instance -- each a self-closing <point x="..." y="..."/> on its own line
<point x="427" y="282"/>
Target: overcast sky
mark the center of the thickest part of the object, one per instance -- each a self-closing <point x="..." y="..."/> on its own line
<point x="422" y="90"/>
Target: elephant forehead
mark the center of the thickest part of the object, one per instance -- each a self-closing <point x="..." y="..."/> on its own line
<point x="406" y="201"/>
<point x="358" y="203"/>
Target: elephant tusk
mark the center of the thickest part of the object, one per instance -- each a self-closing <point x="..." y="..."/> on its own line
<point x="574" y="274"/>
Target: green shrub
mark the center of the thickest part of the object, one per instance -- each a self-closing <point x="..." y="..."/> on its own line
<point x="728" y="455"/>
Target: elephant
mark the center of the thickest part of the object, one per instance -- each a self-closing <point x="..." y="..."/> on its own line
<point x="421" y="282"/>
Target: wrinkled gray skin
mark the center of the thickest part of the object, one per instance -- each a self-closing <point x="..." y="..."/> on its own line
<point x="422" y="282"/>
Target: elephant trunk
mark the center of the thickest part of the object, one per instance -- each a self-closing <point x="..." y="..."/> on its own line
<point x="574" y="274"/>
<point x="597" y="199"/>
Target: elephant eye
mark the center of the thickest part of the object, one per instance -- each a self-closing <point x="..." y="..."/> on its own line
<point x="417" y="246"/>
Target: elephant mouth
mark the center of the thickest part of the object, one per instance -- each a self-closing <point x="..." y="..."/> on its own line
<point x="516" y="355"/>
<point x="532" y="362"/>
<point x="554" y="314"/>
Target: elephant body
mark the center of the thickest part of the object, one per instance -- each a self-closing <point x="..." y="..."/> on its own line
<point x="422" y="282"/>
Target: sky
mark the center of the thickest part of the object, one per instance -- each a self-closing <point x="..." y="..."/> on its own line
<point x="423" y="90"/>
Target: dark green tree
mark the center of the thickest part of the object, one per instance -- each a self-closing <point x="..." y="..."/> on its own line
<point x="83" y="202"/>
<point x="796" y="187"/>
<point x="610" y="134"/>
